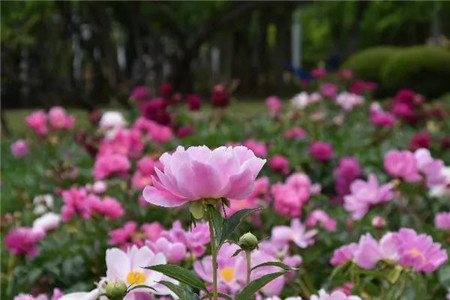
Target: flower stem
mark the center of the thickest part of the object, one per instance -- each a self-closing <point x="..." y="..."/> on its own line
<point x="214" y="255"/>
<point x="248" y="257"/>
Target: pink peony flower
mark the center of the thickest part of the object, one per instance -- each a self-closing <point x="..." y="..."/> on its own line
<point x="194" y="102"/>
<point x="378" y="222"/>
<point x="174" y="251"/>
<point x="296" y="233"/>
<point x="273" y="104"/>
<point x="195" y="239"/>
<point x="320" y="217"/>
<point x="75" y="201"/>
<point x="121" y="235"/>
<point x="152" y="230"/>
<point x="258" y="148"/>
<point x="261" y="189"/>
<point x="318" y="72"/>
<point x="345" y="73"/>
<point x="279" y="163"/>
<point x="336" y="295"/>
<point x="345" y="173"/>
<point x="401" y="164"/>
<point x="165" y="90"/>
<point x="419" y="251"/>
<point x="47" y="222"/>
<point x="343" y="254"/>
<point x="220" y="96"/>
<point x="442" y="220"/>
<point x="58" y="118"/>
<point x="155" y="132"/>
<point x="295" y="133"/>
<point x="24" y="240"/>
<point x="185" y="131"/>
<point x="198" y="173"/>
<point x="380" y="117"/>
<point x="109" y="164"/>
<point x="433" y="170"/>
<point x="349" y="100"/>
<point x="360" y="87"/>
<point x="321" y="151"/>
<point x="108" y="207"/>
<point x="366" y="194"/>
<point x="290" y="197"/>
<point x="19" y="148"/>
<point x="125" y="142"/>
<point x="38" y="122"/>
<point x="328" y="90"/>
<point x="140" y="93"/>
<point x="420" y="140"/>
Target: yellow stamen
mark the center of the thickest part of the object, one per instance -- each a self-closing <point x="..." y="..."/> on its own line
<point x="136" y="277"/>
<point x="227" y="273"/>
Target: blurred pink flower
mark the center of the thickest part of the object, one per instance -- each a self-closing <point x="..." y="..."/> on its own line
<point x="108" y="207"/>
<point x="258" y="148"/>
<point x="336" y="295"/>
<point x="279" y="163"/>
<point x="401" y="164"/>
<point x="19" y="148"/>
<point x="328" y="90"/>
<point x="75" y="202"/>
<point x="273" y="104"/>
<point x="431" y="169"/>
<point x="194" y="102"/>
<point x="195" y="239"/>
<point x="380" y="117"/>
<point x="121" y="235"/>
<point x="420" y="140"/>
<point x="360" y="87"/>
<point x="343" y="254"/>
<point x="318" y="216"/>
<point x="220" y="97"/>
<point x="174" y="251"/>
<point x="296" y="233"/>
<point x="58" y="118"/>
<point x="290" y="197"/>
<point x="345" y="173"/>
<point x="198" y="173"/>
<point x="442" y="220"/>
<point x="38" y="122"/>
<point x="139" y="93"/>
<point x="318" y="72"/>
<point x="24" y="240"/>
<point x="321" y="151"/>
<point x="345" y="73"/>
<point x="109" y="164"/>
<point x="378" y="222"/>
<point x="349" y="100"/>
<point x="262" y="186"/>
<point x="366" y="194"/>
<point x="295" y="133"/>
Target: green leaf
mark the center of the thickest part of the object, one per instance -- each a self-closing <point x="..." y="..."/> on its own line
<point x="233" y="222"/>
<point x="221" y="295"/>
<point x="275" y="264"/>
<point x="218" y="222"/>
<point x="180" y="274"/>
<point x="257" y="284"/>
<point x="182" y="292"/>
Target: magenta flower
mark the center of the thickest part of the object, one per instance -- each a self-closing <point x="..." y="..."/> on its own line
<point x="296" y="233"/>
<point x="24" y="240"/>
<point x="380" y="117"/>
<point x="401" y="164"/>
<point x="442" y="220"/>
<point x="109" y="164"/>
<point x="344" y="254"/>
<point x="360" y="87"/>
<point x="328" y="90"/>
<point x="125" y="142"/>
<point x="140" y="93"/>
<point x="121" y="235"/>
<point x="273" y="104"/>
<point x="108" y="207"/>
<point x="38" y="122"/>
<point x="419" y="252"/>
<point x="194" y="102"/>
<point x="19" y="148"/>
<point x="295" y="133"/>
<point x="366" y="194"/>
<point x="58" y="118"/>
<point x="321" y="151"/>
<point x="345" y="173"/>
<point x="220" y="97"/>
<point x="75" y="202"/>
<point x="260" y="149"/>
<point x="290" y="197"/>
<point x="318" y="72"/>
<point x="420" y="140"/>
<point x="279" y="163"/>
<point x="198" y="173"/>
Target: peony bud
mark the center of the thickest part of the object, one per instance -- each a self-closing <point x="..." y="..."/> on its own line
<point x="115" y="289"/>
<point x="248" y="242"/>
<point x="378" y="222"/>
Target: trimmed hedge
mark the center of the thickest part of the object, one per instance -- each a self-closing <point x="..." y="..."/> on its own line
<point x="367" y="64"/>
<point x="425" y="69"/>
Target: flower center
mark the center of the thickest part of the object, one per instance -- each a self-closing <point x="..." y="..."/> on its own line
<point x="136" y="277"/>
<point x="227" y="273"/>
<point x="416" y="253"/>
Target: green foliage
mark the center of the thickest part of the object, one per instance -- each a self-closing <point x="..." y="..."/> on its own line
<point x="367" y="64"/>
<point x="180" y="274"/>
<point x="256" y="285"/>
<point x="424" y="69"/>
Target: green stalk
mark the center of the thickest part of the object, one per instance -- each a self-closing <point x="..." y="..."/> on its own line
<point x="214" y="255"/>
<point x="248" y="256"/>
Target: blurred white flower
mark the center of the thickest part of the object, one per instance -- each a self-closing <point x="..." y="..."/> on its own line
<point x="111" y="122"/>
<point x="47" y="222"/>
<point x="42" y="203"/>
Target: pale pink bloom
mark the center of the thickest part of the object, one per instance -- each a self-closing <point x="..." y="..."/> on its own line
<point x="195" y="239"/>
<point x="296" y="233"/>
<point x="378" y="222"/>
<point x="367" y="255"/>
<point x="99" y="187"/>
<point x="174" y="251"/>
<point x="295" y="133"/>
<point x="344" y="254"/>
<point x="112" y="120"/>
<point x="125" y="142"/>
<point x="442" y="220"/>
<point x="430" y="168"/>
<point x="258" y="148"/>
<point x="302" y="100"/>
<point x="315" y="97"/>
<point x="259" y="193"/>
<point x="24" y="240"/>
<point x="419" y="252"/>
<point x="401" y="164"/>
<point x="348" y="100"/>
<point x="279" y="163"/>
<point x="129" y="267"/>
<point x="109" y="164"/>
<point x="19" y="148"/>
<point x="47" y="222"/>
<point x="152" y="230"/>
<point x="198" y="173"/>
<point x="321" y="151"/>
<point x="345" y="173"/>
<point x="366" y="194"/>
<point x="328" y="90"/>
<point x="273" y="103"/>
<point x="140" y="181"/>
<point x="38" y="122"/>
<point x="336" y="295"/>
<point x="318" y="216"/>
<point x="58" y="118"/>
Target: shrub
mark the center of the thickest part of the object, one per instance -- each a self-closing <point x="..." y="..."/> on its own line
<point x="424" y="69"/>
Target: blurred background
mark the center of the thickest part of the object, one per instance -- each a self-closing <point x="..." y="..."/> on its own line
<point x="88" y="54"/>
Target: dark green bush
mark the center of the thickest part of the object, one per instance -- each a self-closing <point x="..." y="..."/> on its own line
<point x="367" y="64"/>
<point x="424" y="69"/>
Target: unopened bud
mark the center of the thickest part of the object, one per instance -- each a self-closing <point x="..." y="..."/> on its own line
<point x="378" y="222"/>
<point x="248" y="242"/>
<point x="115" y="289"/>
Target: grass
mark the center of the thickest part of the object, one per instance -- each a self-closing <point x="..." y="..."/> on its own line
<point x="15" y="118"/>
